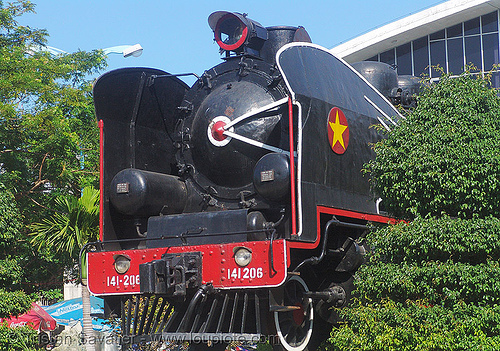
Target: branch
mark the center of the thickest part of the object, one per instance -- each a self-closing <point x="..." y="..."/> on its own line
<point x="37" y="184"/>
<point x="42" y="206"/>
<point x="41" y="165"/>
<point x="20" y="151"/>
<point x="40" y="181"/>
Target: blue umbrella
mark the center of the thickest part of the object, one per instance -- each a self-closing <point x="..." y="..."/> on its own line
<point x="69" y="312"/>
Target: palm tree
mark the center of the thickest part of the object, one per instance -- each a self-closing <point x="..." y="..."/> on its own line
<point x="75" y="223"/>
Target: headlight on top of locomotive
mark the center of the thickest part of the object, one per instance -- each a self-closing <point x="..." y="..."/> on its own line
<point x="230" y="32"/>
<point x="235" y="32"/>
<point x="242" y="256"/>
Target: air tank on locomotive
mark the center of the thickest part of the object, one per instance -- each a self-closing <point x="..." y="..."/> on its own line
<point x="399" y="89"/>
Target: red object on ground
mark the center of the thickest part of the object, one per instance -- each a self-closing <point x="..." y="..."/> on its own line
<point x="36" y="318"/>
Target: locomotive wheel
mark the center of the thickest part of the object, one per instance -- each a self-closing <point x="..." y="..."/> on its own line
<point x="329" y="312"/>
<point x="294" y="328"/>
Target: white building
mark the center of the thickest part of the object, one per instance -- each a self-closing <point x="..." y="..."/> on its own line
<point x="451" y="35"/>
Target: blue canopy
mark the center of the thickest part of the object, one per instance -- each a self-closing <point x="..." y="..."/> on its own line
<point x="69" y="312"/>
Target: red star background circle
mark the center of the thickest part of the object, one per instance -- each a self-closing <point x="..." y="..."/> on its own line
<point x="338" y="131"/>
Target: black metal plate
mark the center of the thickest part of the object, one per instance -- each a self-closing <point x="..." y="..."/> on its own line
<point x="320" y="82"/>
<point x="198" y="228"/>
<point x="139" y="116"/>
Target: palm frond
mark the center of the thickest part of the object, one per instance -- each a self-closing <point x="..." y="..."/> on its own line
<point x="75" y="223"/>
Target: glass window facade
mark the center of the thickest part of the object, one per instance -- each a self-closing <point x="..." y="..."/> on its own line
<point x="471" y="43"/>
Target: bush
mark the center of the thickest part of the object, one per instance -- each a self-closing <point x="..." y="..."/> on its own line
<point x="437" y="239"/>
<point x="441" y="260"/>
<point x="443" y="283"/>
<point x="430" y="284"/>
<point x="17" y="339"/>
<point x="416" y="326"/>
<point x="444" y="157"/>
<point x="13" y="303"/>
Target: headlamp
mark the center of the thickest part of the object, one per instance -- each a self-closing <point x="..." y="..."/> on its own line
<point x="243" y="256"/>
<point x="122" y="264"/>
<point x="230" y="32"/>
<point x="236" y="32"/>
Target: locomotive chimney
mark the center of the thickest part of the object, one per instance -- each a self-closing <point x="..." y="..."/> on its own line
<point x="279" y="36"/>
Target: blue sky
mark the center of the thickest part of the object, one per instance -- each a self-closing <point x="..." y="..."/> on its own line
<point x="175" y="34"/>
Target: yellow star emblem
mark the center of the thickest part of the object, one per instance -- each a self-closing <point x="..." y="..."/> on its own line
<point x="338" y="130"/>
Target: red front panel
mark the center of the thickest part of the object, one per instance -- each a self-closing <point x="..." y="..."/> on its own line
<point x="219" y="267"/>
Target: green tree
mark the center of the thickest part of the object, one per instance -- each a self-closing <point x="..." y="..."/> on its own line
<point x="444" y="157"/>
<point x="75" y="223"/>
<point x="48" y="133"/>
<point x="432" y="283"/>
<point x="48" y="150"/>
<point x="13" y="300"/>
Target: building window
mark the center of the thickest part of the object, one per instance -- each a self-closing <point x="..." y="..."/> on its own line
<point x="437" y="35"/>
<point x="490" y="51"/>
<point x="471" y="27"/>
<point x="403" y="59"/>
<point x="438" y="58"/>
<point x="455" y="55"/>
<point x="489" y="23"/>
<point x="388" y="57"/>
<point x="454" y="31"/>
<point x="421" y="56"/>
<point x="473" y="52"/>
<point x="473" y="42"/>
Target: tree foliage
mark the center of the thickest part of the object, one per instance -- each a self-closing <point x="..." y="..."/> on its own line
<point x="431" y="284"/>
<point x="444" y="157"/>
<point x="12" y="300"/>
<point x="48" y="134"/>
<point x="48" y="140"/>
<point x="48" y="149"/>
<point x="443" y="261"/>
<point x="410" y="326"/>
<point x="18" y="339"/>
<point x="48" y="153"/>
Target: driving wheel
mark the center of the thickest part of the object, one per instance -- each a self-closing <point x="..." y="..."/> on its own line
<point x="294" y="326"/>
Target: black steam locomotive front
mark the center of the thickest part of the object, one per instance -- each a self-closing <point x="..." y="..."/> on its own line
<point x="236" y="199"/>
<point x="220" y="132"/>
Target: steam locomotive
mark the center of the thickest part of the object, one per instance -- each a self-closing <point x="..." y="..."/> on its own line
<point x="235" y="209"/>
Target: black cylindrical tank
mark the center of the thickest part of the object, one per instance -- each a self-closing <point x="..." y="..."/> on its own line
<point x="141" y="193"/>
<point x="409" y="83"/>
<point x="379" y="74"/>
<point x="410" y="88"/>
<point x="271" y="177"/>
